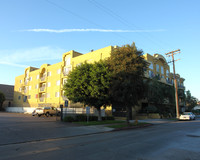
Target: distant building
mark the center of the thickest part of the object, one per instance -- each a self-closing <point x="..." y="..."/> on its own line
<point x="8" y="91"/>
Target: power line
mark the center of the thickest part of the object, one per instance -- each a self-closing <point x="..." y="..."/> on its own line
<point x="122" y="20"/>
<point x="81" y="17"/>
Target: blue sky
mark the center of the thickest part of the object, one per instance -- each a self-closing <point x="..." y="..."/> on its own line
<point x="35" y="32"/>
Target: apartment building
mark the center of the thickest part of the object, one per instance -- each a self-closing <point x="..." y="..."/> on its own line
<point x="44" y="86"/>
<point x="39" y="87"/>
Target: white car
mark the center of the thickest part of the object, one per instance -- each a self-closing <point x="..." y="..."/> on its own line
<point x="187" y="116"/>
<point x="38" y="112"/>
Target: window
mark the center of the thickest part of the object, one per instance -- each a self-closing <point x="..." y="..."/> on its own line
<point x="162" y="70"/>
<point x="29" y="96"/>
<point x="167" y="72"/>
<point x="29" y="87"/>
<point x="59" y="71"/>
<point x="36" y="96"/>
<point x="20" y="89"/>
<point x="58" y="82"/>
<point x="151" y="65"/>
<point x="20" y="81"/>
<point x="30" y="79"/>
<point x="67" y="61"/>
<point x="25" y="98"/>
<point x="37" y="77"/>
<point x="157" y="68"/>
<point x="36" y="86"/>
<point x="48" y="74"/>
<point x="49" y="84"/>
<point x="19" y="97"/>
<point x="48" y="95"/>
<point x="57" y="94"/>
<point x="151" y="74"/>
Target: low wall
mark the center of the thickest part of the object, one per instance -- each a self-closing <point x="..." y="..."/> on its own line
<point x="148" y="116"/>
<point x="27" y="110"/>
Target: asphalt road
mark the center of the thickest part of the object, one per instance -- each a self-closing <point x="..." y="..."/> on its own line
<point x="168" y="141"/>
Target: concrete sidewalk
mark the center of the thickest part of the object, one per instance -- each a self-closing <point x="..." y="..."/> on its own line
<point x="157" y="121"/>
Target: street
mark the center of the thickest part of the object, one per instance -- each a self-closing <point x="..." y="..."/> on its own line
<point x="43" y="138"/>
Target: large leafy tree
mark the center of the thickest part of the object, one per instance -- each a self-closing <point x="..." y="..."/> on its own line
<point x="89" y="84"/>
<point x="2" y="99"/>
<point x="127" y="66"/>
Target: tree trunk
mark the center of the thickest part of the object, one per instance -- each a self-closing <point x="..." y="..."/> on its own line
<point x="99" y="114"/>
<point x="127" y="115"/>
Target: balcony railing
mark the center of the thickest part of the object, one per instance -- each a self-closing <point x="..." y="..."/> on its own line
<point x="181" y="86"/>
<point x="43" y="78"/>
<point x="42" y="89"/>
<point x="42" y="99"/>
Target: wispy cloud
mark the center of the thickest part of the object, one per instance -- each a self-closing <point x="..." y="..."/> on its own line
<point x="19" y="58"/>
<point x="89" y="30"/>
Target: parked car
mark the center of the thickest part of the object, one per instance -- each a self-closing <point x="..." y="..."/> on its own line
<point x="50" y="111"/>
<point x="187" y="116"/>
<point x="38" y="112"/>
<point x="47" y="111"/>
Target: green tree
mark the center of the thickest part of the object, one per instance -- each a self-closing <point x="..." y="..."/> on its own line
<point x="127" y="66"/>
<point x="191" y="101"/>
<point x="2" y="99"/>
<point x="89" y="84"/>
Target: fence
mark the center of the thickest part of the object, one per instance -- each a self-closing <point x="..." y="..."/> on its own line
<point x="76" y="111"/>
<point x="28" y="110"/>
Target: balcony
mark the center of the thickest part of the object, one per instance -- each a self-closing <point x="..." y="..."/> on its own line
<point x="42" y="89"/>
<point x="169" y="81"/>
<point x="65" y="73"/>
<point x="43" y="78"/>
<point x="41" y="99"/>
<point x="181" y="87"/>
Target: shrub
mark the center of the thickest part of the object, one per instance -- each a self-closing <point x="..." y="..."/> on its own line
<point x="108" y="118"/>
<point x="151" y="109"/>
<point x="83" y="118"/>
<point x="68" y="119"/>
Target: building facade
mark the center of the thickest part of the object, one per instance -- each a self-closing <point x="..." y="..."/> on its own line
<point x="39" y="87"/>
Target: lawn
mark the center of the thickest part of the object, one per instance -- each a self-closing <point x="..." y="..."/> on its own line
<point x="125" y="125"/>
<point x="116" y="124"/>
<point x="98" y="122"/>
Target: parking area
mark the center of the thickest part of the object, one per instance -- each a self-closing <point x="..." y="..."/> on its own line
<point x="21" y="128"/>
<point x="18" y="127"/>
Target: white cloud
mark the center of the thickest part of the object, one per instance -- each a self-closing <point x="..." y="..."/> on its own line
<point x="20" y="57"/>
<point x="14" y="64"/>
<point x="89" y="30"/>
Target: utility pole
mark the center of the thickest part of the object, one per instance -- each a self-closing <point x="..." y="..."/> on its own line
<point x="172" y="53"/>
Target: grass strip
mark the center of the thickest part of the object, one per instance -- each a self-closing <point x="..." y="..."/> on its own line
<point x="98" y="122"/>
<point x="125" y="125"/>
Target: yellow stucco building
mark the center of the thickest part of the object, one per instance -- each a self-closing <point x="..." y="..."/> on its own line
<point x="44" y="86"/>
